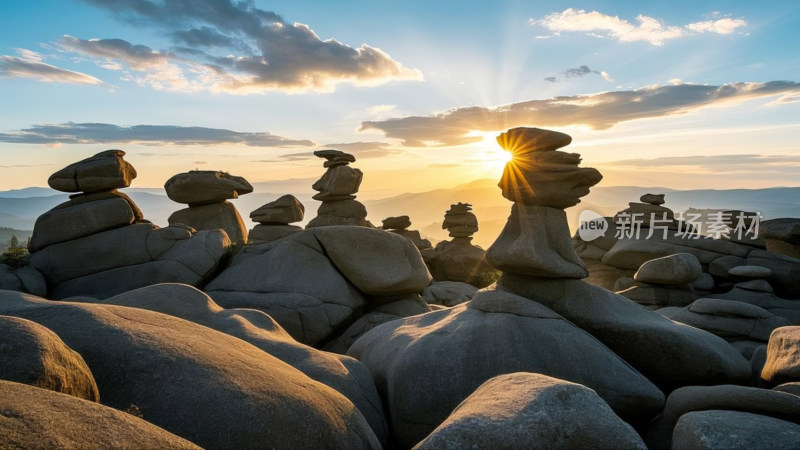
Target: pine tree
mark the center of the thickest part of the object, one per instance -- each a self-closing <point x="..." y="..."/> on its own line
<point x="15" y="255"/>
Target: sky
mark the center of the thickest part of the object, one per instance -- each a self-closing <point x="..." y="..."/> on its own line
<point x="680" y="94"/>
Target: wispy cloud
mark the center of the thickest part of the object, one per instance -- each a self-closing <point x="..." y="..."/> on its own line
<point x="598" y="111"/>
<point x="646" y="29"/>
<point x="29" y="65"/>
<point x="578" y="72"/>
<point x="220" y="45"/>
<point x="739" y="165"/>
<point x="103" y="133"/>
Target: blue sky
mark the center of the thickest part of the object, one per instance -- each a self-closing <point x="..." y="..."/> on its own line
<point x="676" y="94"/>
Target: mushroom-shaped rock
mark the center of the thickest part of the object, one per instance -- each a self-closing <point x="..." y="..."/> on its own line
<point x="202" y="187"/>
<point x="104" y="171"/>
<point x="284" y="210"/>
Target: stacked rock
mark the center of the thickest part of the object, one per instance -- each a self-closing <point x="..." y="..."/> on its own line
<point x="649" y="213"/>
<point x="399" y="225"/>
<point x="274" y="219"/>
<point x="457" y="259"/>
<point x="337" y="190"/>
<point x="206" y="192"/>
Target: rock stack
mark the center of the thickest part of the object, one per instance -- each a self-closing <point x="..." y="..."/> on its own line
<point x="206" y="192"/>
<point x="337" y="189"/>
<point x="665" y="281"/>
<point x="458" y="259"/>
<point x="98" y="243"/>
<point x="647" y="214"/>
<point x="274" y="218"/>
<point x="399" y="225"/>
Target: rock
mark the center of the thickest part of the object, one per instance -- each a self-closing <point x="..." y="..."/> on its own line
<point x="652" y="199"/>
<point x="376" y="262"/>
<point x="782" y="236"/>
<point x="733" y="430"/>
<point x="687" y="399"/>
<point x="687" y="355"/>
<point x="494" y="334"/>
<point x="646" y="218"/>
<point x="705" y="283"/>
<point x="102" y="172"/>
<point x="654" y="296"/>
<point x="728" y="319"/>
<point x="461" y="262"/>
<point x="214" y="216"/>
<point x="448" y="293"/>
<point x="203" y="187"/>
<point x="459" y="221"/>
<point x="540" y="175"/>
<point x="783" y="356"/>
<point x="345" y="374"/>
<point x="396" y="223"/>
<point x="38" y="418"/>
<point x="32" y="354"/>
<point x="205" y="386"/>
<point x="338" y="183"/>
<point x="677" y="269"/>
<point x="414" y="237"/>
<point x="284" y="210"/>
<point x="604" y="275"/>
<point x="342" y="212"/>
<point x="788" y="309"/>
<point x="750" y="272"/>
<point x="262" y="234"/>
<point x="790" y="388"/>
<point x="755" y="286"/>
<point x="535" y="242"/>
<point x="65" y="223"/>
<point x="532" y="411"/>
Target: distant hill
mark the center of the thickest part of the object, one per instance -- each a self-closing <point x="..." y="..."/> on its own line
<point x="7" y="233"/>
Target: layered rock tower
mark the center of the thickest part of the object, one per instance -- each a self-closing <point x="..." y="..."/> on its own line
<point x="337" y="189"/>
<point x="274" y="220"/>
<point x="458" y="259"/>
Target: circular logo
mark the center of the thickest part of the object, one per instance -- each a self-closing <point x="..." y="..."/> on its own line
<point x="591" y="225"/>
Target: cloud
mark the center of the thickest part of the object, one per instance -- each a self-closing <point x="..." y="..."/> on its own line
<point x="578" y="72"/>
<point x="647" y="29"/>
<point x="598" y="111"/>
<point x="29" y="65"/>
<point x="103" y="133"/>
<point x="220" y="45"/>
<point x="730" y="165"/>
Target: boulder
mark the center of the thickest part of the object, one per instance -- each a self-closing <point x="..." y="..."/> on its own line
<point x="750" y="272"/>
<point x="342" y="212"/>
<point x="677" y="269"/>
<point x="104" y="171"/>
<point x="414" y="237"/>
<point x="32" y="354"/>
<point x="338" y="183"/>
<point x="529" y="410"/>
<point x="687" y="399"/>
<point x="262" y="234"/>
<point x="396" y="223"/>
<point x="448" y="293"/>
<point x="284" y="210"/>
<point x="203" y="385"/>
<point x="788" y="309"/>
<point x="456" y="261"/>
<point x="214" y="216"/>
<point x="782" y="236"/>
<point x="731" y="320"/>
<point x="716" y="429"/>
<point x="652" y="199"/>
<point x="783" y="356"/>
<point x="655" y="296"/>
<point x="494" y="334"/>
<point x="203" y="187"/>
<point x="39" y="418"/>
<point x="790" y="388"/>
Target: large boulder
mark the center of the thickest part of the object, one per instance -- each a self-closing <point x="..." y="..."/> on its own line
<point x="677" y="269"/>
<point x="206" y="386"/>
<point x="286" y="209"/>
<point x="34" y="355"/>
<point x="733" y="430"/>
<point x="448" y="293"/>
<point x="529" y="410"/>
<point x="728" y="319"/>
<point x="37" y="418"/>
<point x="102" y="172"/>
<point x="214" y="216"/>
<point x="783" y="356"/>
<point x="343" y="373"/>
<point x="202" y="187"/>
<point x="496" y="333"/>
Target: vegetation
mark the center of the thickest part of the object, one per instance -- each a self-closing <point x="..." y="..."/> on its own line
<point x="15" y="255"/>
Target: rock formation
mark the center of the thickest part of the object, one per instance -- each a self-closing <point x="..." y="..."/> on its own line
<point x="457" y="259"/>
<point x="274" y="218"/>
<point x="99" y="244"/>
<point x="337" y="189"/>
<point x="665" y="281"/>
<point x="782" y="236"/>
<point x="399" y="225"/>
<point x="207" y="193"/>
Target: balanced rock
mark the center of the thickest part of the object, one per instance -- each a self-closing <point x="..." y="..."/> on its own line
<point x="459" y="221"/>
<point x="783" y="356"/>
<point x="104" y="171"/>
<point x="396" y="223"/>
<point x="715" y="429"/>
<point x="529" y="410"/>
<point x="677" y="269"/>
<point x="202" y="187"/>
<point x="39" y="418"/>
<point x="283" y="211"/>
<point x="32" y="354"/>
<point x="338" y="183"/>
<point x="652" y="199"/>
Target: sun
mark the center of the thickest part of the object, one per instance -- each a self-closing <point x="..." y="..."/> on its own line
<point x="495" y="157"/>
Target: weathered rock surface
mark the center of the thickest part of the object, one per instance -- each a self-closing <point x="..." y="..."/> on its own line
<point x="731" y="320"/>
<point x="396" y="223"/>
<point x="32" y="354"/>
<point x="750" y="271"/>
<point x="529" y="410"/>
<point x="214" y="216"/>
<point x="31" y="417"/>
<point x="202" y="187"/>
<point x="788" y="309"/>
<point x="461" y="262"/>
<point x="285" y="210"/>
<point x="783" y="356"/>
<point x="102" y="172"/>
<point x="677" y="269"/>
<point x="338" y="183"/>
<point x="496" y="333"/>
<point x="782" y="236"/>
<point x="205" y="386"/>
<point x="262" y="234"/>
<point x="733" y="430"/>
<point x="448" y="293"/>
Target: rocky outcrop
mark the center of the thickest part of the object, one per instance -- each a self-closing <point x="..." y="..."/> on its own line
<point x="528" y="410"/>
<point x="206" y="192"/>
<point x="274" y="218"/>
<point x="336" y="190"/>
<point x="782" y="236"/>
<point x="457" y="259"/>
<point x="399" y="225"/>
<point x="665" y="281"/>
<point x="731" y="320"/>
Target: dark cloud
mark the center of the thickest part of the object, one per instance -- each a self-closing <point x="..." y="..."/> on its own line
<point x="103" y="133"/>
<point x="12" y="66"/>
<point x="237" y="47"/>
<point x="598" y="111"/>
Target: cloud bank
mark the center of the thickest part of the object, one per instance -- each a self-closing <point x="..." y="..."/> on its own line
<point x="233" y="47"/>
<point x="598" y="111"/>
<point x="104" y="133"/>
<point x="647" y="29"/>
<point x="29" y="65"/>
